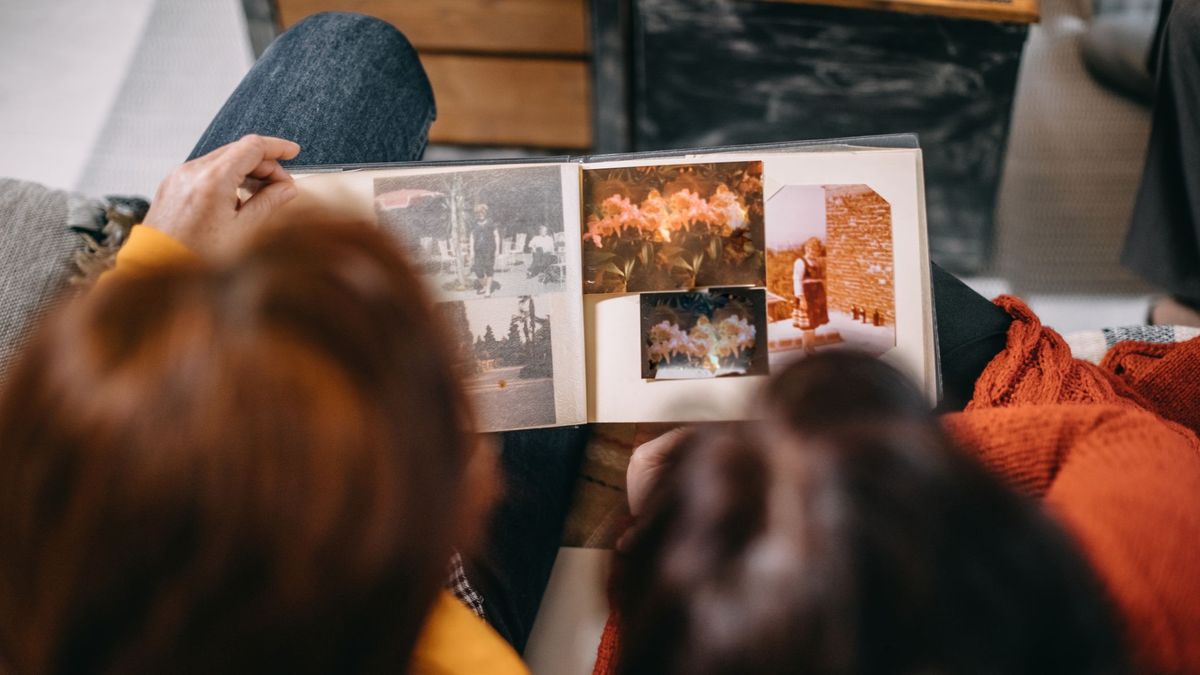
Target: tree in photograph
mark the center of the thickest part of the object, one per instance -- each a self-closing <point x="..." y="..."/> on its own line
<point x="512" y="349"/>
<point x="487" y="346"/>
<point x="535" y="335"/>
<point x="454" y="317"/>
<point x="460" y="229"/>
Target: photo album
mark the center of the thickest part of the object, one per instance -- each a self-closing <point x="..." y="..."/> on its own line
<point x="658" y="287"/>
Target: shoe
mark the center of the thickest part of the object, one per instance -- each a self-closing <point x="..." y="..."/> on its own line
<point x="1115" y="50"/>
<point x="1168" y="311"/>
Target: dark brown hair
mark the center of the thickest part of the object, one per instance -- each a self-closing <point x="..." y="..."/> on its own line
<point x="845" y="534"/>
<point x="256" y="465"/>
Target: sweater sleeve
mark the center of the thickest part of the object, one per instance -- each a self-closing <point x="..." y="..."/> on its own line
<point x="148" y="248"/>
<point x="456" y="642"/>
<point x="1126" y="484"/>
<point x="1123" y="476"/>
<point x="1036" y="367"/>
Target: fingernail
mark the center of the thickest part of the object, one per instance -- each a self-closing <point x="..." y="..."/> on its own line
<point x="287" y="192"/>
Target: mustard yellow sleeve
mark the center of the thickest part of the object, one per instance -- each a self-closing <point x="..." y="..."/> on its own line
<point x="146" y="249"/>
<point x="456" y="641"/>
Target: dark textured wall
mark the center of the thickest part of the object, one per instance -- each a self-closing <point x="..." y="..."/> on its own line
<point x="714" y="72"/>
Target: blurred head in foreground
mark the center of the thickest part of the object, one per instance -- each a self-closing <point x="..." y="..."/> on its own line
<point x="844" y="534"/>
<point x="252" y="466"/>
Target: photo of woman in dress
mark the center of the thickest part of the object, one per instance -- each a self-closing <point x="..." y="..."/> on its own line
<point x="485" y="242"/>
<point x="829" y="271"/>
<point x="808" y="285"/>
<point x="480" y="233"/>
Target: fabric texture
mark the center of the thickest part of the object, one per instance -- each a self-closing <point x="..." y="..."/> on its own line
<point x="348" y="88"/>
<point x="1093" y="345"/>
<point x="37" y="259"/>
<point x="147" y="249"/>
<point x="463" y="589"/>
<point x="539" y="468"/>
<point x="1112" y="451"/>
<point x="455" y="641"/>
<point x="970" y="331"/>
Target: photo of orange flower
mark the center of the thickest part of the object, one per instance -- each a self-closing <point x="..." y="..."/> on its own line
<point x="702" y="334"/>
<point x="669" y="227"/>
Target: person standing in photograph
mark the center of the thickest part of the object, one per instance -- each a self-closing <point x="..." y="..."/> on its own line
<point x="485" y="242"/>
<point x="808" y="284"/>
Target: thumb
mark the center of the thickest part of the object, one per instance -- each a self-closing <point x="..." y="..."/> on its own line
<point x="270" y="197"/>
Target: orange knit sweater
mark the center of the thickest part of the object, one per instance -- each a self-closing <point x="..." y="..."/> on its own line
<point x="1113" y="453"/>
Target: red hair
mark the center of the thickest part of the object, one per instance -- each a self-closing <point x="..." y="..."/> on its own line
<point x="242" y="466"/>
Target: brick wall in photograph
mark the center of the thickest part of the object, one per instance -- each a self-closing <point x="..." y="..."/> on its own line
<point x="858" y="231"/>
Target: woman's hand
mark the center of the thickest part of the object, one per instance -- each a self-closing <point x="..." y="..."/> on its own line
<point x="198" y="203"/>
<point x="647" y="463"/>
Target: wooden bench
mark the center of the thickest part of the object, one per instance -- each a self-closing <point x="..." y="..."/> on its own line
<point x="505" y="72"/>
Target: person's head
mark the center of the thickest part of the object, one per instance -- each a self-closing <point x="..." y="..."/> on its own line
<point x="542" y="230"/>
<point x="813" y="248"/>
<point x="481" y="213"/>
<point x="248" y="466"/>
<point x="845" y="534"/>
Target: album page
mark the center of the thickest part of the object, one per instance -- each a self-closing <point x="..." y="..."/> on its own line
<point x="705" y="273"/>
<point x="497" y="247"/>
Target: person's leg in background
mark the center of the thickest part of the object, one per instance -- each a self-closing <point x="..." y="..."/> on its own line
<point x="971" y="331"/>
<point x="1163" y="244"/>
<point x="348" y="88"/>
<point x="540" y="468"/>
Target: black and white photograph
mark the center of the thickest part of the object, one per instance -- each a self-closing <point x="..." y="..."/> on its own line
<point x="703" y="334"/>
<point x="505" y="359"/>
<point x="479" y="234"/>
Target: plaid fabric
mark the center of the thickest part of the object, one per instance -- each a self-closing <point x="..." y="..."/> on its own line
<point x="1092" y="345"/>
<point x="461" y="587"/>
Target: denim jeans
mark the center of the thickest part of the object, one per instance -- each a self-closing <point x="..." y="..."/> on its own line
<point x="350" y="90"/>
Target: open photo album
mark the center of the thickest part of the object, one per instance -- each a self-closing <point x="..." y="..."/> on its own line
<point x="658" y="287"/>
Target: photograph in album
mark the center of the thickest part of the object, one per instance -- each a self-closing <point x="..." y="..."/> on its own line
<point x="703" y="334"/>
<point x="478" y="234"/>
<point x="505" y="359"/>
<point x="672" y="227"/>
<point x="829" y="270"/>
